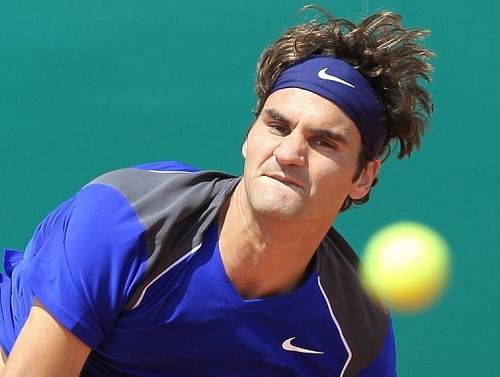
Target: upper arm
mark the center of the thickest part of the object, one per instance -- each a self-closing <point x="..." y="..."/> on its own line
<point x="2" y="358"/>
<point x="85" y="262"/>
<point x="82" y="264"/>
<point x="45" y="348"/>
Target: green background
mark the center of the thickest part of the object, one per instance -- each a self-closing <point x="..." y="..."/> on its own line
<point x="89" y="86"/>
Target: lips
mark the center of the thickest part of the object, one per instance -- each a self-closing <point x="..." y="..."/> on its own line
<point x="288" y="180"/>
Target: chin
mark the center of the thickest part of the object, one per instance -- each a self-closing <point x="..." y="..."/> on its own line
<point x="277" y="205"/>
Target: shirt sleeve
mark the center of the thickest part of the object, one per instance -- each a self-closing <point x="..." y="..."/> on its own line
<point x="85" y="260"/>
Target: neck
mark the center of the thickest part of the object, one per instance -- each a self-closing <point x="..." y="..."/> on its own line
<point x="263" y="255"/>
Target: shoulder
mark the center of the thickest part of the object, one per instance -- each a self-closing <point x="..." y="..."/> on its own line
<point x="175" y="202"/>
<point x="159" y="180"/>
<point x="365" y="323"/>
<point x="164" y="191"/>
<point x="135" y="179"/>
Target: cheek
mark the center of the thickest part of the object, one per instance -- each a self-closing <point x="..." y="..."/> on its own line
<point x="329" y="180"/>
<point x="322" y="181"/>
<point x="258" y="147"/>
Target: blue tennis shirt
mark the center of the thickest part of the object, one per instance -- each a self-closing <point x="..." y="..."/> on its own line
<point x="131" y="265"/>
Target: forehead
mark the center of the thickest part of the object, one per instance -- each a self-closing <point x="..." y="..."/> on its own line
<point x="300" y="106"/>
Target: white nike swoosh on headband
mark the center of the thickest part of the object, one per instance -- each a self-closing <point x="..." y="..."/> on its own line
<point x="325" y="76"/>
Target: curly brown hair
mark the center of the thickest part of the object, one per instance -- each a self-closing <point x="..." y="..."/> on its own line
<point x="384" y="52"/>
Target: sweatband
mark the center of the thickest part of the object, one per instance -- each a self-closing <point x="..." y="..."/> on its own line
<point x="339" y="82"/>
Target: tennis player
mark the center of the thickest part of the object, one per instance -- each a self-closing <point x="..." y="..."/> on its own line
<point x="165" y="270"/>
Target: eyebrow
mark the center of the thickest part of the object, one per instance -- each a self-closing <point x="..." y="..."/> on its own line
<point x="275" y="114"/>
<point x="318" y="132"/>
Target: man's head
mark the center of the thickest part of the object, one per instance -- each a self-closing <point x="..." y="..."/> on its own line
<point x="301" y="155"/>
<point x="385" y="54"/>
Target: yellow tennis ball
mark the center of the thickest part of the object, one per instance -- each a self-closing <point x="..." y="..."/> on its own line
<point x="406" y="265"/>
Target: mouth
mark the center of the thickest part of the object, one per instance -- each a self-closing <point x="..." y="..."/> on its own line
<point x="287" y="180"/>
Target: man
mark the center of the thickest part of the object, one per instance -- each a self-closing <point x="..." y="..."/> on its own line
<point x="163" y="270"/>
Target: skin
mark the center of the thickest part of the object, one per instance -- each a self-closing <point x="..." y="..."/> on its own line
<point x="44" y="348"/>
<point x="300" y="159"/>
<point x="2" y="358"/>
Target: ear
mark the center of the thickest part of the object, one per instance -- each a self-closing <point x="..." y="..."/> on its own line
<point x="244" y="149"/>
<point x="363" y="184"/>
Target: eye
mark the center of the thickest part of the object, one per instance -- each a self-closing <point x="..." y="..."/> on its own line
<point x="323" y="143"/>
<point x="278" y="129"/>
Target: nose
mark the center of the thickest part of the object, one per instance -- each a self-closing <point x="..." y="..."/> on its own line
<point x="291" y="150"/>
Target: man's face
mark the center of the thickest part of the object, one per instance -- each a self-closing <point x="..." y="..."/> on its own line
<point x="301" y="156"/>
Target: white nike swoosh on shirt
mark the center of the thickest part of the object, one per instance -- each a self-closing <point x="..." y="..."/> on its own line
<point x="288" y="346"/>
<point x="326" y="76"/>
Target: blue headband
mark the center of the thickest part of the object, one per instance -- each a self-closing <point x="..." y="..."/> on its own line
<point x="340" y="83"/>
